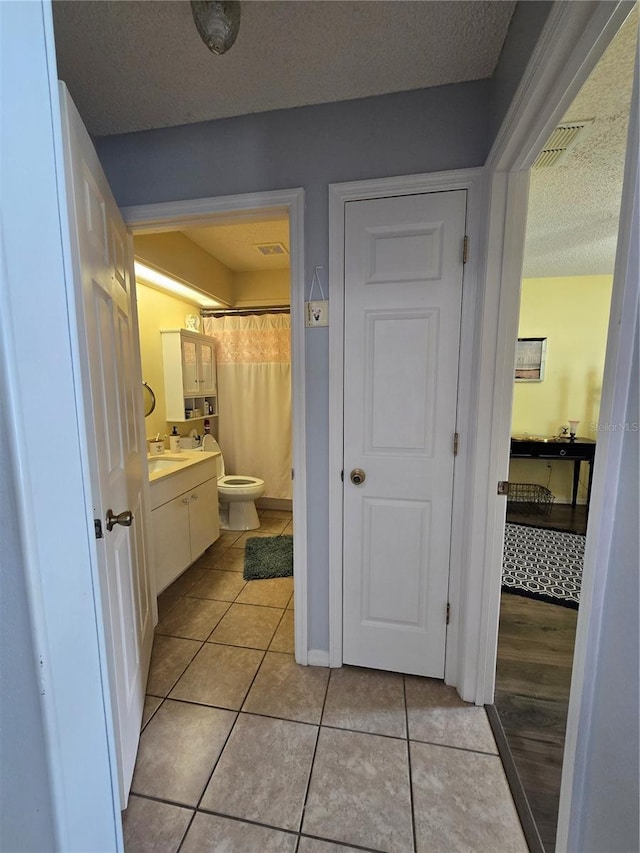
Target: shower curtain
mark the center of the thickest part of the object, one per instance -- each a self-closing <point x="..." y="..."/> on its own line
<point x="253" y="355"/>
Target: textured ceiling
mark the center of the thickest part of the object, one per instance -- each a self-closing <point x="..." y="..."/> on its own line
<point x="139" y="65"/>
<point x="235" y="244"/>
<point x="574" y="206"/>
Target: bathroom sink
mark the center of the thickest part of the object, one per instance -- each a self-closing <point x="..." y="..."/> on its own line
<point x="164" y="464"/>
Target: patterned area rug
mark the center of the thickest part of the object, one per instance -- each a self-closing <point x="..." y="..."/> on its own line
<point x="544" y="564"/>
<point x="268" y="557"/>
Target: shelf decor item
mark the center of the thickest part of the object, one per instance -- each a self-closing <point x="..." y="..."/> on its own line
<point x="530" y="358"/>
<point x="192" y="322"/>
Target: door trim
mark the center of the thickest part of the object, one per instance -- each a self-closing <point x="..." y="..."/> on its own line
<point x="573" y="39"/>
<point x="470" y="180"/>
<point x="156" y="218"/>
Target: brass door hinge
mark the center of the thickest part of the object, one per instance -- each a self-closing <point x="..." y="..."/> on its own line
<point x="465" y="249"/>
<point x="456" y="441"/>
<point x="503" y="487"/>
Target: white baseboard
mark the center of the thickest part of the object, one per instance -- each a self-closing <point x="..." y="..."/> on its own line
<point x="317" y="657"/>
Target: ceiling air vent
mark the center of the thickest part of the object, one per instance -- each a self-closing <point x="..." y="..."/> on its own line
<point x="269" y="249"/>
<point x="561" y="141"/>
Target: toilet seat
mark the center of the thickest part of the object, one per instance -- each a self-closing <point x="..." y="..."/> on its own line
<point x="239" y="485"/>
<point x="237" y="493"/>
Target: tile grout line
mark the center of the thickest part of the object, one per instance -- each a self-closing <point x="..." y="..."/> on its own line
<point x="278" y="628"/>
<point x="217" y="761"/>
<point x="411" y="803"/>
<point x="164" y="698"/>
<point x="187" y="665"/>
<point x="204" y="811"/>
<point x="313" y="760"/>
<point x="336" y="728"/>
<point x="247" y="821"/>
<point x="157" y="633"/>
<point x="329" y="841"/>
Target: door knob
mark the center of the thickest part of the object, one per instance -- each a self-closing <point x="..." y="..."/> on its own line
<point x="124" y="518"/>
<point x="358" y="476"/>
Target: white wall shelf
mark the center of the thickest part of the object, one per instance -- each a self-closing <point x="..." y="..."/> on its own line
<point x="189" y="375"/>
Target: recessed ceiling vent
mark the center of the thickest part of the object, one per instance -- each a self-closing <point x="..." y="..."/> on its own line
<point x="269" y="249"/>
<point x="561" y="141"/>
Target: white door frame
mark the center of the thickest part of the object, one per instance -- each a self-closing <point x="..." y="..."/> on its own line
<point x="339" y="194"/>
<point x="195" y="213"/>
<point x="573" y="39"/>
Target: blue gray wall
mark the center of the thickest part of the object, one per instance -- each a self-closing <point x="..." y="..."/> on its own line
<point x="427" y="130"/>
<point x="524" y="30"/>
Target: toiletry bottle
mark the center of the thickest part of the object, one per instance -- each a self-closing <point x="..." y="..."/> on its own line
<point x="174" y="441"/>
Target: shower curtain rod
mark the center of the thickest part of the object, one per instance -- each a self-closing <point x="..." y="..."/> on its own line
<point x="244" y="312"/>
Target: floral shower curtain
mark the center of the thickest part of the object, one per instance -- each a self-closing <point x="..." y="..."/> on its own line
<point x="253" y="355"/>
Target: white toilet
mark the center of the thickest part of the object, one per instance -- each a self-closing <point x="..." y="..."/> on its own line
<point x="236" y="494"/>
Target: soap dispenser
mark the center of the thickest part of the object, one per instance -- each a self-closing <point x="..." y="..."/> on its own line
<point x="174" y="441"/>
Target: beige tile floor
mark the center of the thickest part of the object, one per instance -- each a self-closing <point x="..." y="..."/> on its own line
<point x="243" y="750"/>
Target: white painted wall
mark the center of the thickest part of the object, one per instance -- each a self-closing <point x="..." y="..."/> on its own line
<point x="609" y="740"/>
<point x="601" y="772"/>
<point x="26" y="820"/>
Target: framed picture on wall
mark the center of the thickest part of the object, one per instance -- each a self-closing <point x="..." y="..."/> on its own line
<point x="530" y="355"/>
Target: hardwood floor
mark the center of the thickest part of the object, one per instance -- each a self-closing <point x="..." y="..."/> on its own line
<point x="562" y="517"/>
<point x="533" y="678"/>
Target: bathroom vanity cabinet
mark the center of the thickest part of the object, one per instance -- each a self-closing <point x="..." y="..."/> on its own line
<point x="189" y="364"/>
<point x="184" y="518"/>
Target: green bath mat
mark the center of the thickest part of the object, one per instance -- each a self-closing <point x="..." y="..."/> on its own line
<point x="268" y="557"/>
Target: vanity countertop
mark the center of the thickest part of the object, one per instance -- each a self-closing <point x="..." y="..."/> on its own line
<point x="162" y="465"/>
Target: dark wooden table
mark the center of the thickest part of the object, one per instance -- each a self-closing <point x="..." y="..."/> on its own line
<point x="577" y="450"/>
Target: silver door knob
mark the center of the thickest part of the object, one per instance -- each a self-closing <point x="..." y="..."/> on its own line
<point x="124" y="518"/>
<point x="357" y="476"/>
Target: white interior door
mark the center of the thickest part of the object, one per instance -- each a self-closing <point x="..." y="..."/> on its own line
<point x="403" y="297"/>
<point x="107" y="327"/>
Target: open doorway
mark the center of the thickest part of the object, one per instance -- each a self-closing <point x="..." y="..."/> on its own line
<point x="232" y="259"/>
<point x="218" y="624"/>
<point x="239" y="300"/>
<point x="566" y="290"/>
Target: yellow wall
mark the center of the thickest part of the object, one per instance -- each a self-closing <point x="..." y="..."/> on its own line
<point x="266" y="287"/>
<point x="572" y="313"/>
<point x="157" y="311"/>
<point x="177" y="255"/>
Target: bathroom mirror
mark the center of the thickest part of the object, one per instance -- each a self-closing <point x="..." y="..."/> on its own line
<point x="149" y="399"/>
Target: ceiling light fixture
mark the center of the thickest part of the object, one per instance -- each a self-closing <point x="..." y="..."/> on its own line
<point x="164" y="282"/>
<point x="218" y="22"/>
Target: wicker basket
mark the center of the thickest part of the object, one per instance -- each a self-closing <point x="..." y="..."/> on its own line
<point x="529" y="498"/>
